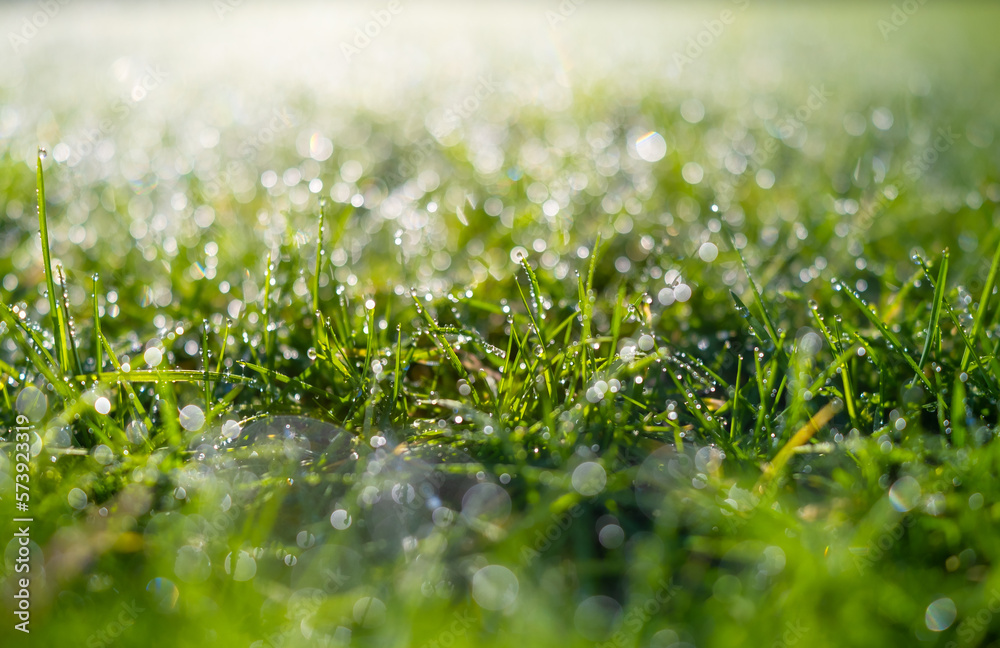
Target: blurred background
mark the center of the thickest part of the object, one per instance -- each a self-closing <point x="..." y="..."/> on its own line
<point x="183" y="115"/>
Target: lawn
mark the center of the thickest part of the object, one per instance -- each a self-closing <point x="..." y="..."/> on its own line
<point x="502" y="324"/>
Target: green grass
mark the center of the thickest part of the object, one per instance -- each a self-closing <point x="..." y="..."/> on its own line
<point x="438" y="422"/>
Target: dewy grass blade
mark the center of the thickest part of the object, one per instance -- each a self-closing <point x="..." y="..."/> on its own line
<point x="64" y="318"/>
<point x="734" y="422"/>
<point x="266" y="321"/>
<point x="760" y="426"/>
<point x="45" y="366"/>
<point x="933" y="326"/>
<point x="318" y="270"/>
<point x="756" y="327"/>
<point x="98" y="350"/>
<point x="536" y="326"/>
<point x="205" y="361"/>
<point x="442" y="343"/>
<point x="616" y="325"/>
<point x="55" y="313"/>
<point x="958" y="413"/>
<point x="768" y="324"/>
<point x="126" y="382"/>
<point x="884" y="330"/>
<point x="838" y="347"/>
<point x="225" y="344"/>
<point x="397" y="376"/>
<point x="536" y="296"/>
<point x="587" y="311"/>
<point x="984" y="303"/>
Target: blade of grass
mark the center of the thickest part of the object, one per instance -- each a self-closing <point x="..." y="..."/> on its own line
<point x="984" y="303"/>
<point x="801" y="437"/>
<point x="734" y="422"/>
<point x="587" y="312"/>
<point x="64" y="316"/>
<point x="204" y="361"/>
<point x="958" y="413"/>
<point x="58" y="325"/>
<point x="225" y="343"/>
<point x="319" y="259"/>
<point x="397" y="377"/>
<point x="886" y="333"/>
<point x="933" y="326"/>
<point x="768" y="324"/>
<point x="838" y="347"/>
<point x="98" y="350"/>
<point x="266" y="321"/>
<point x="125" y="379"/>
<point x="442" y="343"/>
<point x="17" y="329"/>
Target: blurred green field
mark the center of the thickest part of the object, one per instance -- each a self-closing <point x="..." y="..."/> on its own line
<point x="580" y="324"/>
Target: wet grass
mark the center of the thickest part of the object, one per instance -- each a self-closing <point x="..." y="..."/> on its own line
<point x="582" y="398"/>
